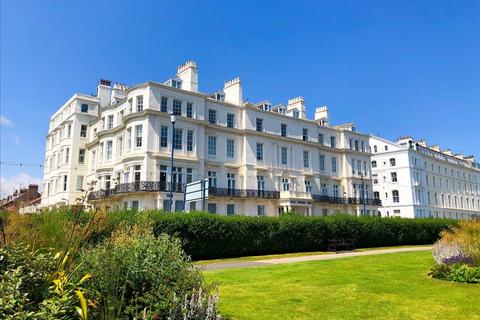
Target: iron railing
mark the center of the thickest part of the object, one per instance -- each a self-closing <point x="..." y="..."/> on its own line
<point x="340" y="200"/>
<point x="367" y="201"/>
<point x="243" y="193"/>
<point x="327" y="199"/>
<point x="137" y="186"/>
<point x="157" y="186"/>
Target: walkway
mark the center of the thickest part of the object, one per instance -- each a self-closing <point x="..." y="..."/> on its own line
<point x="261" y="263"/>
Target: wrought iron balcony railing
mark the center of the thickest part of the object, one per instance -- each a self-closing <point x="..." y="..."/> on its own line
<point x="243" y="193"/>
<point x="137" y="186"/>
<point x="367" y="201"/>
<point x="340" y="200"/>
<point x="327" y="199"/>
<point x="157" y="186"/>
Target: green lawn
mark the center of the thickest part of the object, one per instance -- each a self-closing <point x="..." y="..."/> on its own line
<point x="388" y="286"/>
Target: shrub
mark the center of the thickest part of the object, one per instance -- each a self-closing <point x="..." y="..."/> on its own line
<point x="208" y="236"/>
<point x="37" y="285"/>
<point x="456" y="272"/>
<point x="48" y="229"/>
<point x="134" y="271"/>
<point x="23" y="280"/>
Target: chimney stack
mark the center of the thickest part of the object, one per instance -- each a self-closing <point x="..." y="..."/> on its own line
<point x="422" y="143"/>
<point x="188" y="73"/>
<point x="447" y="152"/>
<point x="299" y="104"/>
<point x="118" y="93"/>
<point x="103" y="92"/>
<point x="321" y="115"/>
<point x="233" y="91"/>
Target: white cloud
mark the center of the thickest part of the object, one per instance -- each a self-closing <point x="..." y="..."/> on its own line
<point x="4" y="121"/>
<point x="9" y="184"/>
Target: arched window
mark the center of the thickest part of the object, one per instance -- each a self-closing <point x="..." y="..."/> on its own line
<point x="374" y="164"/>
<point x="395" y="196"/>
<point x="376" y="195"/>
<point x="392" y="162"/>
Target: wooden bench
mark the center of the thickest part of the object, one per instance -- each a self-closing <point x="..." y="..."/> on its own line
<point x="336" y="244"/>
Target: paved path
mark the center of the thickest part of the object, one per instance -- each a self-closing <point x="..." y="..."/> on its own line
<point x="267" y="262"/>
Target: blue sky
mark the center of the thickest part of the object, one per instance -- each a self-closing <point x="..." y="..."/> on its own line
<point x="392" y="67"/>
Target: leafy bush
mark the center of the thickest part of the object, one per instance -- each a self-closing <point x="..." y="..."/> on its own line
<point x="36" y="285"/>
<point x="135" y="272"/>
<point x="207" y="236"/>
<point x="456" y="272"/>
<point x="48" y="229"/>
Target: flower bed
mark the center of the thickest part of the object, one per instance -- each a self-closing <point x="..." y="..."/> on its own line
<point x="457" y="253"/>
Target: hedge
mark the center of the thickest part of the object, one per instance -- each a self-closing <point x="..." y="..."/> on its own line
<point x="209" y="236"/>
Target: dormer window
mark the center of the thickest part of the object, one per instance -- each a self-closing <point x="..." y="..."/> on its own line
<point x="280" y="109"/>
<point x="219" y="96"/>
<point x="176" y="84"/>
<point x="264" y="106"/>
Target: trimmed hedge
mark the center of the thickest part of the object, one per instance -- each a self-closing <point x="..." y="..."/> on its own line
<point x="209" y="236"/>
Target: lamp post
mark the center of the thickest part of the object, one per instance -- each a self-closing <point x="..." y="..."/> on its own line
<point x="345" y="201"/>
<point x="172" y="119"/>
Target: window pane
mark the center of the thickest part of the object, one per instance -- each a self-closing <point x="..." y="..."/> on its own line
<point x="164" y="136"/>
<point x="260" y="151"/>
<point x="177" y="139"/>
<point x="212" y="146"/>
<point x="189" y="140"/>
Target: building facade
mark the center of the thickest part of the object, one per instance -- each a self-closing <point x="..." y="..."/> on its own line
<point x="260" y="159"/>
<point x="23" y="200"/>
<point x="415" y="180"/>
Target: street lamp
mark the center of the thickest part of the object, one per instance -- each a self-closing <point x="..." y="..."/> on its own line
<point x="172" y="119"/>
<point x="345" y="201"/>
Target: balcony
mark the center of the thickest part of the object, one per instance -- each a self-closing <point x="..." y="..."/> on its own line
<point x="328" y="199"/>
<point x="138" y="186"/>
<point x="367" y="201"/>
<point x="243" y="193"/>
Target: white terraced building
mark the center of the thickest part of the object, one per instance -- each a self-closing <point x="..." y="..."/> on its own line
<point x="260" y="159"/>
<point x="415" y="180"/>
